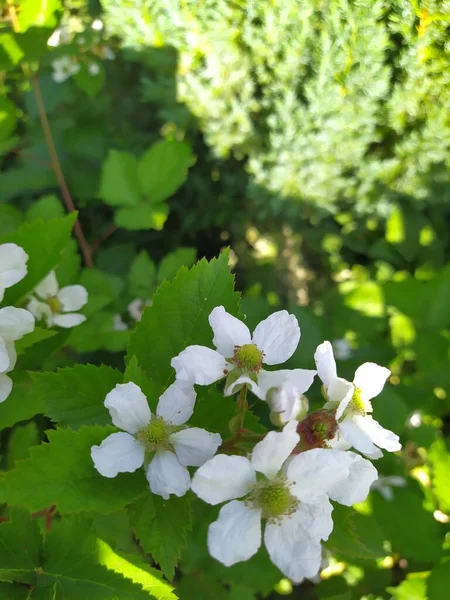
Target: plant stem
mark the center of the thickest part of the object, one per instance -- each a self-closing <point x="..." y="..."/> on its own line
<point x="55" y="164"/>
<point x="242" y="408"/>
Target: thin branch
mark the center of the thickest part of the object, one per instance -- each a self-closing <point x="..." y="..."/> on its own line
<point x="55" y="164"/>
<point x="101" y="238"/>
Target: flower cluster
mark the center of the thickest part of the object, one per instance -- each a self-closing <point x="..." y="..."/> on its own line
<point x="14" y="322"/>
<point x="290" y="475"/>
<point x="58" y="306"/>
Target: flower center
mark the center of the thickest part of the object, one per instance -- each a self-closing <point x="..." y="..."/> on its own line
<point x="55" y="304"/>
<point x="156" y="436"/>
<point x="274" y="498"/>
<point x="358" y="405"/>
<point x="248" y="357"/>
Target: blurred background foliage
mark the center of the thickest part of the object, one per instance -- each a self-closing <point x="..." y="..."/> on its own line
<point x="313" y="138"/>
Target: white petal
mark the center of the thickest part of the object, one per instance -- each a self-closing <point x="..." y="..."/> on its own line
<point x="199" y="364"/>
<point x="353" y="434"/>
<point x="176" y="405"/>
<point x="68" y="320"/>
<point x="72" y="297"/>
<point x="291" y="545"/>
<point x="40" y="310"/>
<point x="4" y="357"/>
<point x="236" y="535"/>
<point x="128" y="407"/>
<point x="48" y="287"/>
<point x="228" y="331"/>
<point x="13" y="264"/>
<point x="270" y="453"/>
<point x="370" y="379"/>
<point x="286" y="403"/>
<point x="315" y="471"/>
<point x="356" y="487"/>
<point x="166" y="475"/>
<point x="244" y="380"/>
<point x="325" y="363"/>
<point x="384" y="438"/>
<point x="118" y="453"/>
<point x="223" y="478"/>
<point x="194" y="446"/>
<point x="340" y="390"/>
<point x="15" y="322"/>
<point x="301" y="379"/>
<point x="278" y="337"/>
<point x="5" y="386"/>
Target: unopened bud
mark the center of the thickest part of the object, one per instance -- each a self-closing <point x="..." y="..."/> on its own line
<point x="316" y="429"/>
<point x="286" y="404"/>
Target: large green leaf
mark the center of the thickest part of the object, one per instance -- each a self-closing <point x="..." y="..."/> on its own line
<point x="119" y="183"/>
<point x="22" y="404"/>
<point x="181" y="257"/>
<point x="44" y="242"/>
<point x="38" y="13"/>
<point x="20" y="547"/>
<point x="179" y="316"/>
<point x="75" y="396"/>
<point x="161" y="527"/>
<point x="142" y="216"/>
<point x="440" y="460"/>
<point x="163" y="168"/>
<point x="62" y="473"/>
<point x="438" y="582"/>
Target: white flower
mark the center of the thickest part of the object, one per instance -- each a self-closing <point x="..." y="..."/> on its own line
<point x="384" y="485"/>
<point x="14" y="324"/>
<point x="94" y="69"/>
<point x="240" y="356"/>
<point x="13" y="266"/>
<point x="352" y="403"/>
<point x="63" y="68"/>
<point x="170" y="447"/>
<point x="342" y="349"/>
<point x="286" y="403"/>
<point x="119" y="324"/>
<point x="291" y="495"/>
<point x="136" y="308"/>
<point x="57" y="305"/>
<point x="97" y="25"/>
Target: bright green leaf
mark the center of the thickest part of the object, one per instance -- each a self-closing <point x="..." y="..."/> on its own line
<point x="20" y="441"/>
<point x="181" y="257"/>
<point x="143" y="216"/>
<point x="142" y="275"/>
<point x="440" y="460"/>
<point x="438" y="582"/>
<point x="47" y="207"/>
<point x="20" y="542"/>
<point x="119" y="183"/>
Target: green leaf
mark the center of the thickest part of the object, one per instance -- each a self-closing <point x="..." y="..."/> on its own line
<point x="436" y="313"/>
<point x="99" y="288"/>
<point x="22" y="404"/>
<point x="71" y="481"/>
<point x="38" y="13"/>
<point x="355" y="535"/>
<point x="181" y="257"/>
<point x="412" y="588"/>
<point x="142" y="216"/>
<point x="47" y="207"/>
<point x="133" y="568"/>
<point x="20" y="441"/>
<point x="8" y="118"/>
<point x="161" y="527"/>
<point x="119" y="184"/>
<point x="74" y="567"/>
<point x="37" y="335"/>
<point x="44" y="242"/>
<point x="366" y="298"/>
<point x="179" y="315"/>
<point x="90" y="84"/>
<point x="438" y="582"/>
<point x="11" y="591"/>
<point x="20" y="542"/>
<point x="440" y="460"/>
<point x="163" y="169"/>
<point x="142" y="275"/>
<point x="75" y="396"/>
<point x="10" y="218"/>
<point x="134" y="373"/>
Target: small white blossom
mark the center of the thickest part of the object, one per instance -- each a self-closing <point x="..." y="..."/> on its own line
<point x="290" y="494"/>
<point x="136" y="308"/>
<point x="14" y="324"/>
<point x="384" y="485"/>
<point x="286" y="403"/>
<point x="13" y="266"/>
<point x="56" y="305"/>
<point x="240" y="356"/>
<point x="64" y="68"/>
<point x="342" y="349"/>
<point x="163" y="437"/>
<point x="352" y="403"/>
<point x="97" y="25"/>
<point x="119" y="324"/>
<point x="94" y="69"/>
